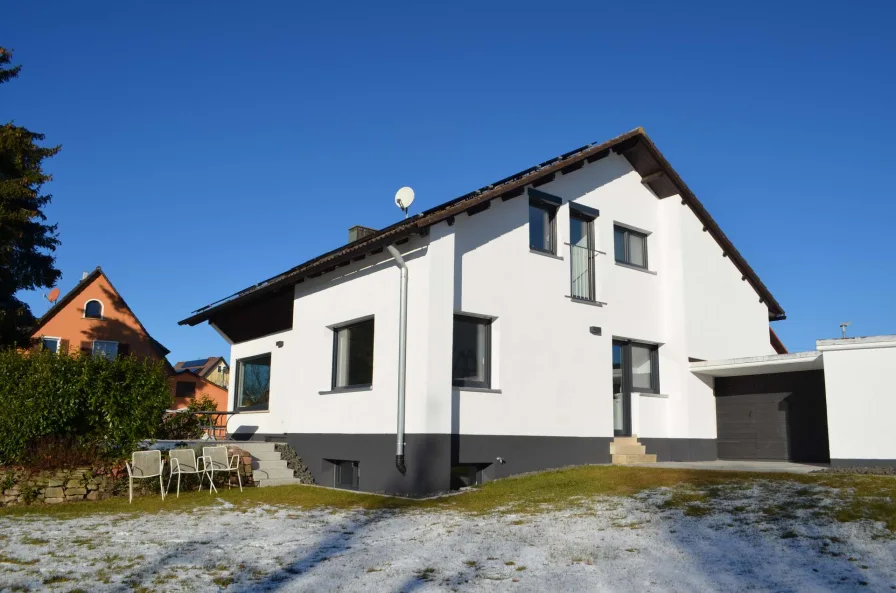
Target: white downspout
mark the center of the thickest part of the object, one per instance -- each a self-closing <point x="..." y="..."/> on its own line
<point x="402" y="357"/>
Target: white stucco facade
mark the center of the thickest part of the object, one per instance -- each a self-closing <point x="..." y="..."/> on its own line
<point x="550" y="375"/>
<point x="861" y="397"/>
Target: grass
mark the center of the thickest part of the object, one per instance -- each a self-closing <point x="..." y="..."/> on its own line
<point x="861" y="497"/>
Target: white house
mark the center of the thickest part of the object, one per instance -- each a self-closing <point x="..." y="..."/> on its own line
<point x="547" y="314"/>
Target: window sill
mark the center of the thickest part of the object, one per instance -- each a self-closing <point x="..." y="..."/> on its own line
<point x="645" y="394"/>
<point x="346" y="390"/>
<point x="636" y="268"/>
<point x="241" y="412"/>
<point x="585" y="301"/>
<point x="546" y="254"/>
<point x="476" y="389"/>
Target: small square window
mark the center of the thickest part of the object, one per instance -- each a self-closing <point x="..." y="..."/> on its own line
<point x="253" y="383"/>
<point x="185" y="389"/>
<point x="353" y="355"/>
<point x="630" y="247"/>
<point x="346" y="474"/>
<point x="472" y="356"/>
<point x="542" y="227"/>
<point x="51" y="344"/>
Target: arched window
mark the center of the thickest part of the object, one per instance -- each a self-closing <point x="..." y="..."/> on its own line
<point x="93" y="309"/>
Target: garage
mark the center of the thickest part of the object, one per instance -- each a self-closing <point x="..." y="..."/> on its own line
<point x="773" y="416"/>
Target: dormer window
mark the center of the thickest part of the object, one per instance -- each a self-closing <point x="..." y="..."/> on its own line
<point x="93" y="310"/>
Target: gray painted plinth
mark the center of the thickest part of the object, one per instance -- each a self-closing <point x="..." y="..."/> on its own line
<point x="429" y="457"/>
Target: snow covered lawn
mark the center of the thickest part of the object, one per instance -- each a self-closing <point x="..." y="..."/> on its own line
<point x="776" y="535"/>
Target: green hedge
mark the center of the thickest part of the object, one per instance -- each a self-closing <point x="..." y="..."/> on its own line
<point x="110" y="403"/>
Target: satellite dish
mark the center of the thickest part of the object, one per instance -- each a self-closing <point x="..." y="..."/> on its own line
<point x="404" y="198"/>
<point x="54" y="294"/>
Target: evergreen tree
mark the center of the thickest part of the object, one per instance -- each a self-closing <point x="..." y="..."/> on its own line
<point x="27" y="243"/>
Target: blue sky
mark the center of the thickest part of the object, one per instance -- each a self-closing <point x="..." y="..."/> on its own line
<point x="207" y="146"/>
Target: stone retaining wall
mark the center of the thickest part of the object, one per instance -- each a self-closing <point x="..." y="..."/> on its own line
<point x="20" y="486"/>
<point x="52" y="487"/>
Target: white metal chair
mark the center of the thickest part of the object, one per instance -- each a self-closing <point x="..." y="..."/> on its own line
<point x="144" y="464"/>
<point x="217" y="460"/>
<point x="183" y="462"/>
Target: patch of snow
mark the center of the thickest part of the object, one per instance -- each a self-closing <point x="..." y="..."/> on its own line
<point x="624" y="544"/>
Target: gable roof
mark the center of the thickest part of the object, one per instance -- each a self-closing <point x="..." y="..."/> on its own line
<point x="201" y="366"/>
<point x="656" y="173"/>
<point x="77" y="289"/>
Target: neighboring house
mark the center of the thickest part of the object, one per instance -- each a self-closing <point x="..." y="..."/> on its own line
<point x="551" y="314"/>
<point x="188" y="385"/>
<point x="94" y="319"/>
<point x="213" y="369"/>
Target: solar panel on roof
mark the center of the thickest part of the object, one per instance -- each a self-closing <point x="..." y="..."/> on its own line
<point x="194" y="363"/>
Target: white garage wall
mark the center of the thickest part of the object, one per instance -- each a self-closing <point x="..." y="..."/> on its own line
<point x="861" y="397"/>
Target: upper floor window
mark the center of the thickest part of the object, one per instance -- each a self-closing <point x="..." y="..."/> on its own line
<point x="106" y="349"/>
<point x="581" y="249"/>
<point x="542" y="228"/>
<point x="353" y="355"/>
<point x="253" y="383"/>
<point x="542" y="221"/>
<point x="93" y="310"/>
<point x="630" y="246"/>
<point x="472" y="352"/>
<point x="185" y="389"/>
<point x="51" y="344"/>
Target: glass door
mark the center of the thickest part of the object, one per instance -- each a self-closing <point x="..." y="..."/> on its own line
<point x="621" y="392"/>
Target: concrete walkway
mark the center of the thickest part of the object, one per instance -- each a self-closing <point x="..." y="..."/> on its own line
<point x="741" y="466"/>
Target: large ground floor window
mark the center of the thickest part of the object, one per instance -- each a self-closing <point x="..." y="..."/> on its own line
<point x="253" y="382"/>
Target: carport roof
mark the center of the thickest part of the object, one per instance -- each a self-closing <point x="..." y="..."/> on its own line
<point x="759" y="365"/>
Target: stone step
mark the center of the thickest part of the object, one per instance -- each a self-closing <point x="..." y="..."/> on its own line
<point x="256" y="446"/>
<point x="632" y="440"/>
<point x="278" y="482"/>
<point x="633" y="459"/>
<point x="621" y="449"/>
<point x="265" y="455"/>
<point x="269" y="474"/>
<point x="268" y="463"/>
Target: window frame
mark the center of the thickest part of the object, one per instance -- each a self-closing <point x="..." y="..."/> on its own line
<point x="335" y="367"/>
<point x="51" y="339"/>
<point x="488" y="322"/>
<point x="338" y="467"/>
<point x="93" y="351"/>
<point x="550" y="212"/>
<point x="627" y="233"/>
<point x="102" y="309"/>
<point x="588" y="220"/>
<point x="238" y="384"/>
<point x="654" y="351"/>
<point x="177" y="384"/>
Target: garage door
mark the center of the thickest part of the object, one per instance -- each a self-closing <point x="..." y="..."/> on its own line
<point x="753" y="426"/>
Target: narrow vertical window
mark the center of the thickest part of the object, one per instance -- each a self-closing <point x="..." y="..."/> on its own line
<point x="581" y="247"/>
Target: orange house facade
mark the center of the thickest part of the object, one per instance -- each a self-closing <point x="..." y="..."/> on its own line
<point x="94" y="319"/>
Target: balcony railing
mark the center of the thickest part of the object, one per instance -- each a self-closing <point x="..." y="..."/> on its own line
<point x="582" y="284"/>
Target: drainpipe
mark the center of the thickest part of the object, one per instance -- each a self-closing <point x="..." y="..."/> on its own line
<point x="402" y="357"/>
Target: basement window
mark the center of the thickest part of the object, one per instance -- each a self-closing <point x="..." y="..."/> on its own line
<point x="346" y="474"/>
<point x="353" y="355"/>
<point x="465" y="475"/>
